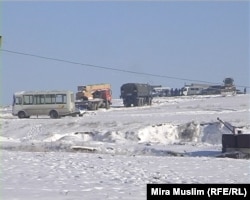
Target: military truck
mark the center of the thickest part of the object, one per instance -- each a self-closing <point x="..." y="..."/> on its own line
<point x="136" y="94"/>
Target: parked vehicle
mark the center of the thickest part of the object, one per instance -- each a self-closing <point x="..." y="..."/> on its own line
<point x="161" y="91"/>
<point x="212" y="90"/>
<point x="52" y="103"/>
<point x="229" y="87"/>
<point x="189" y="90"/>
<point x="136" y="94"/>
<point x="235" y="142"/>
<point x="94" y="96"/>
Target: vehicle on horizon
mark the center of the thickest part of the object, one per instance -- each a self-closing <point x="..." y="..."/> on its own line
<point x="212" y="90"/>
<point x="229" y="87"/>
<point x="93" y="97"/>
<point x="52" y="103"/>
<point x="136" y="94"/>
<point x="190" y="90"/>
<point x="161" y="91"/>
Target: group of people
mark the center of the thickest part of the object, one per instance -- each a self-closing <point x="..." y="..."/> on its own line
<point x="168" y="92"/>
<point x="175" y="92"/>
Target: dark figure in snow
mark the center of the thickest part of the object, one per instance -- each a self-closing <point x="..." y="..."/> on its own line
<point x="172" y="92"/>
<point x="179" y="92"/>
<point x="176" y="92"/>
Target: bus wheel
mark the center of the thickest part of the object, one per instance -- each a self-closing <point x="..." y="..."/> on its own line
<point x="21" y="114"/>
<point x="53" y="114"/>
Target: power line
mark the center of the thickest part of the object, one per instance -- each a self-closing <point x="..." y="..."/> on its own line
<point x="109" y="68"/>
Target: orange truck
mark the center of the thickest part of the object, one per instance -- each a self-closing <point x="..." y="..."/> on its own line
<point x="94" y="96"/>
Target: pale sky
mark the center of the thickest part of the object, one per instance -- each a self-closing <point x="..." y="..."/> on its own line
<point x="193" y="40"/>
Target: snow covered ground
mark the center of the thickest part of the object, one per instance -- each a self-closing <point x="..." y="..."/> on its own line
<point x="176" y="140"/>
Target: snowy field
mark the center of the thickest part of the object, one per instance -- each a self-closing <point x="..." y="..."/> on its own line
<point x="176" y="140"/>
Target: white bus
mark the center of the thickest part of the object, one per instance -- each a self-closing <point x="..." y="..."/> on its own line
<point x="52" y="103"/>
<point x="191" y="91"/>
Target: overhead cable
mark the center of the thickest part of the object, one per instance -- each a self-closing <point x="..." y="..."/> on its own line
<point x="109" y="68"/>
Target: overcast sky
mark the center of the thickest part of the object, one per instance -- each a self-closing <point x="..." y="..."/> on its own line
<point x="195" y="41"/>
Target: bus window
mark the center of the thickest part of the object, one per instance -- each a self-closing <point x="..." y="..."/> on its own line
<point x="39" y="99"/>
<point x="50" y="98"/>
<point x="27" y="99"/>
<point x="17" y="101"/>
<point x="61" y="98"/>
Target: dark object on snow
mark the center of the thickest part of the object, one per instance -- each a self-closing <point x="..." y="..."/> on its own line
<point x="235" y="154"/>
<point x="136" y="94"/>
<point x="235" y="142"/>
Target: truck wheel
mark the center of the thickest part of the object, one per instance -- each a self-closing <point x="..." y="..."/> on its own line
<point x="21" y="115"/>
<point x="142" y="102"/>
<point x="53" y="114"/>
<point x="139" y="102"/>
<point x="107" y="106"/>
<point x="136" y="102"/>
<point x="93" y="106"/>
<point x="150" y="101"/>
